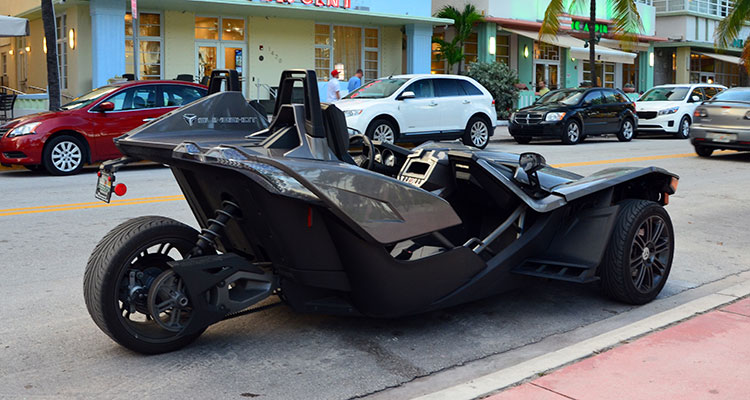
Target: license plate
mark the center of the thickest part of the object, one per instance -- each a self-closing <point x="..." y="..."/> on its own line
<point x="104" y="187"/>
<point x="723" y="137"/>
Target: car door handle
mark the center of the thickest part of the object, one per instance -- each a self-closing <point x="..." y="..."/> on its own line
<point x="467" y="101"/>
<point x="433" y="104"/>
<point x="148" y="119"/>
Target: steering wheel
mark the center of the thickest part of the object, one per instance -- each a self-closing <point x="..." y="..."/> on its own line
<point x="366" y="157"/>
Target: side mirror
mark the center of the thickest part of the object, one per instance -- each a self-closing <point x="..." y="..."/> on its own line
<point x="531" y="162"/>
<point x="695" y="98"/>
<point x="407" y="95"/>
<point x="106" y="106"/>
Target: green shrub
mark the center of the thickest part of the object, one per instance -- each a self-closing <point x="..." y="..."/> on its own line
<point x="500" y="80"/>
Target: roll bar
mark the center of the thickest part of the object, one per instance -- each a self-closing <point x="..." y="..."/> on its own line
<point x="313" y="113"/>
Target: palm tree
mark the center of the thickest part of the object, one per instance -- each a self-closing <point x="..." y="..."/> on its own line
<point x="729" y="29"/>
<point x="464" y="22"/>
<point x="53" y="72"/>
<point x="626" y="18"/>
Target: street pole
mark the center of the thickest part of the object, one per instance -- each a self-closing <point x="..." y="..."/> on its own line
<point x="136" y="43"/>
<point x="53" y="69"/>
<point x="592" y="43"/>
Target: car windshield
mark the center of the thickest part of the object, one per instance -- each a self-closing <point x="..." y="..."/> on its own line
<point x="567" y="97"/>
<point x="732" y="95"/>
<point x="378" y="89"/>
<point x="88" y="98"/>
<point x="666" y="94"/>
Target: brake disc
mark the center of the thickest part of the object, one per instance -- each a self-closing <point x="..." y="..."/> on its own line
<point x="168" y="302"/>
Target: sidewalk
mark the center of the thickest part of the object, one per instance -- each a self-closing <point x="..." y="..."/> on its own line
<point x="706" y="357"/>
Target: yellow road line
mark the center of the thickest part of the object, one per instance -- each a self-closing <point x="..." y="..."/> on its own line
<point x="173" y="197"/>
<point x="635" y="159"/>
<point x="91" y="205"/>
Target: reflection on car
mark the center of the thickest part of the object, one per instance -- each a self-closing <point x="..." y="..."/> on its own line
<point x="722" y="123"/>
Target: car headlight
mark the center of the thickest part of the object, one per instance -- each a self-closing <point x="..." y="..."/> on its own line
<point x="352" y="113"/>
<point x="669" y="111"/>
<point x="554" y="116"/>
<point x="513" y="116"/>
<point x="23" y="129"/>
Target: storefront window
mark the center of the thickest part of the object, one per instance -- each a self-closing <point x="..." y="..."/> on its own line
<point x="471" y="48"/>
<point x="605" y="73"/>
<point x="502" y="49"/>
<point x="148" y="40"/>
<point x="546" y="51"/>
<point x="62" y="49"/>
<point x="232" y="29"/>
<point x="207" y="28"/>
<point x="438" y="65"/>
<point x="347" y="49"/>
<point x="630" y="74"/>
<point x="705" y="69"/>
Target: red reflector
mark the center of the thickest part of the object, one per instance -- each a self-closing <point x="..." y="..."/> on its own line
<point x="109" y="178"/>
<point x="493" y="102"/>
<point x="725" y="107"/>
<point x="700" y="139"/>
<point x="309" y="217"/>
<point x="98" y="173"/>
<point x="121" y="189"/>
<point x="666" y="199"/>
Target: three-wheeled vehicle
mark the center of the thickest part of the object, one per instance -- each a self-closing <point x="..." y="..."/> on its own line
<point x="332" y="222"/>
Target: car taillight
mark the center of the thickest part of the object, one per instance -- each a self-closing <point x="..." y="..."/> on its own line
<point x="700" y="112"/>
<point x="493" y="102"/>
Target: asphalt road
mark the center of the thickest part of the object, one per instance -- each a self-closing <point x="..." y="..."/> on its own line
<point x="50" y="347"/>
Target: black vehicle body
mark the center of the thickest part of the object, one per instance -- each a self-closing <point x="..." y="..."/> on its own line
<point x="722" y="123"/>
<point x="289" y="215"/>
<point x="597" y="111"/>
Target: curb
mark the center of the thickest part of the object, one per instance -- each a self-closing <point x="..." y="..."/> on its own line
<point x="496" y="381"/>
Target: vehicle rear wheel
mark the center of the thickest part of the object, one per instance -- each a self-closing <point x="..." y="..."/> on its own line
<point x="639" y="256"/>
<point x="703" y="151"/>
<point x="382" y="130"/>
<point x="684" y="131"/>
<point x="627" y="130"/>
<point x="572" y="133"/>
<point x="127" y="267"/>
<point x="63" y="155"/>
<point x="477" y="133"/>
<point x="522" y="139"/>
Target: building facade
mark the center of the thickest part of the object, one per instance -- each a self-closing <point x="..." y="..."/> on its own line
<point x="100" y="39"/>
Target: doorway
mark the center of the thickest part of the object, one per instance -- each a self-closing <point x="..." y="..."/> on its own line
<point x="220" y="44"/>
<point x="547" y="72"/>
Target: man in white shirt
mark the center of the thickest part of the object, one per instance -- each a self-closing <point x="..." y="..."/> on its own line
<point x="333" y="88"/>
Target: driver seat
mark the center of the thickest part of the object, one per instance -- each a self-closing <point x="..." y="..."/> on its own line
<point x="337" y="132"/>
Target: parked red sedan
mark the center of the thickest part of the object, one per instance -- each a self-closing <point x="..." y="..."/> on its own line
<point x="82" y="131"/>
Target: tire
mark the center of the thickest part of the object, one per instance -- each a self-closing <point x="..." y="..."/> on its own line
<point x="106" y="286"/>
<point x="477" y="132"/>
<point x="382" y="130"/>
<point x="64" y="155"/>
<point x="639" y="255"/>
<point x="703" y="151"/>
<point x="522" y="139"/>
<point x="684" y="129"/>
<point x="572" y="133"/>
<point x="627" y="130"/>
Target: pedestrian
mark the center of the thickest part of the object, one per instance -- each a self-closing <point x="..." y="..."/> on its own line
<point x="355" y="81"/>
<point x="543" y="89"/>
<point x="333" y="88"/>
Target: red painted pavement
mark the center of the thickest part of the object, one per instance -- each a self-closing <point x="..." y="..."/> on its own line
<point x="707" y="357"/>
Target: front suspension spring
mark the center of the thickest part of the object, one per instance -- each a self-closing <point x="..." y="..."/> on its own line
<point x="208" y="236"/>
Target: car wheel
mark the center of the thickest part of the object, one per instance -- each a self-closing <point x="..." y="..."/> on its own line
<point x="627" y="130"/>
<point x="704" y="151"/>
<point x="477" y="133"/>
<point x="122" y="273"/>
<point x="382" y="130"/>
<point x="63" y="155"/>
<point x="639" y="255"/>
<point x="572" y="133"/>
<point x="684" y="131"/>
<point x="522" y="139"/>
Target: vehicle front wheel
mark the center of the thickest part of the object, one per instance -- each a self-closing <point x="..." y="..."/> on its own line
<point x="704" y="151"/>
<point x="572" y="132"/>
<point x="639" y="256"/>
<point x="522" y="139"/>
<point x="382" y="130"/>
<point x="127" y="270"/>
<point x="63" y="155"/>
<point x="684" y="131"/>
<point x="627" y="130"/>
<point x="477" y="133"/>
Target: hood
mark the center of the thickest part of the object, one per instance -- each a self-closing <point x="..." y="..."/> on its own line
<point x="356" y="104"/>
<point x="655" y="105"/>
<point x="38" y="117"/>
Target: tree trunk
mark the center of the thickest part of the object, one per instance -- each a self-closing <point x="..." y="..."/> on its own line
<point x="592" y="44"/>
<point x="53" y="70"/>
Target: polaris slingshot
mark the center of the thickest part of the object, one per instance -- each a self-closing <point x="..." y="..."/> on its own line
<point x="332" y="222"/>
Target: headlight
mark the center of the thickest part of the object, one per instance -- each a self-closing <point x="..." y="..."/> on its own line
<point x="23" y="129"/>
<point x="554" y="116"/>
<point x="352" y="113"/>
<point x="513" y="116"/>
<point x="669" y="111"/>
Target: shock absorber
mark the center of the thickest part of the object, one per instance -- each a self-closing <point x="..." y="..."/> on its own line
<point x="208" y="236"/>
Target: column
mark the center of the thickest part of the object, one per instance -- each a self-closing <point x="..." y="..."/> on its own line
<point x="526" y="61"/>
<point x="682" y="67"/>
<point x="486" y="36"/>
<point x="646" y="69"/>
<point x="418" y="48"/>
<point x="107" y="40"/>
<point x="568" y="69"/>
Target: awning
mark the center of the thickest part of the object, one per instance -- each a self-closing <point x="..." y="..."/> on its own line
<point x="12" y="26"/>
<point x="578" y="49"/>
<point x="723" y="57"/>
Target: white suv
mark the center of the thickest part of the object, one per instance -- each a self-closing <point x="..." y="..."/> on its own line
<point x="669" y="108"/>
<point x="415" y="108"/>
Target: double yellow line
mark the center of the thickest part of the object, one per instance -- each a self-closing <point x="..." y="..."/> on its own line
<point x="81" y="206"/>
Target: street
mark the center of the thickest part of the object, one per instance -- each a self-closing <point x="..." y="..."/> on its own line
<point x="50" y="347"/>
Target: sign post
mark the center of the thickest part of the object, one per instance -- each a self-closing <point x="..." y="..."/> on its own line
<point x="134" y="13"/>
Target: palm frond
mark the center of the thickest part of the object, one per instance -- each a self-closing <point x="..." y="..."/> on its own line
<point x="729" y="27"/>
<point x="551" y="22"/>
<point x="628" y="23"/>
<point x="577" y="7"/>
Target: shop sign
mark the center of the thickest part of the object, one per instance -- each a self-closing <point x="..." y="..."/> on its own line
<point x="584" y="27"/>
<point x="316" y="3"/>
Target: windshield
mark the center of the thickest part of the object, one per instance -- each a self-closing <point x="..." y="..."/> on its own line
<point x="88" y="98"/>
<point x="567" y="97"/>
<point x="740" y="95"/>
<point x="666" y="94"/>
<point x="378" y="89"/>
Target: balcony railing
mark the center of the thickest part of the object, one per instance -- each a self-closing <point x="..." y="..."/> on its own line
<point x="716" y="8"/>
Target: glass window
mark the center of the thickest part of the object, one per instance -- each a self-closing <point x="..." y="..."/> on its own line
<point x="135" y="98"/>
<point x="710" y="92"/>
<point x="471" y="48"/>
<point x="207" y="28"/>
<point x="448" y="88"/>
<point x="736" y="94"/>
<point x="502" y="49"/>
<point x="179" y="95"/>
<point x="697" y="92"/>
<point x="347" y="49"/>
<point x="62" y="49"/>
<point x="565" y="96"/>
<point x="470" y="89"/>
<point x="378" y="89"/>
<point x="610" y="97"/>
<point x="621" y="98"/>
<point x="677" y="93"/>
<point x="422" y="89"/>
<point x="594" y="97"/>
<point x="546" y="51"/>
<point x="88" y="98"/>
<point x="439" y="65"/>
<point x="144" y="46"/>
<point x="232" y="29"/>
